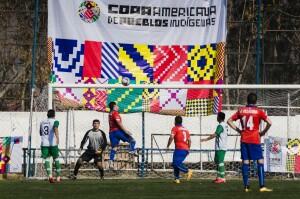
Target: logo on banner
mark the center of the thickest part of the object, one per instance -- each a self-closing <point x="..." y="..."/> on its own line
<point x="89" y="11"/>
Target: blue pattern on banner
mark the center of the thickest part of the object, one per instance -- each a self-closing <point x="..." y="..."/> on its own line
<point x="66" y="48"/>
<point x="110" y="62"/>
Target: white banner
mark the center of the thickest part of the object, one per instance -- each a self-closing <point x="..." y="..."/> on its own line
<point x="275" y="154"/>
<point x="156" y="22"/>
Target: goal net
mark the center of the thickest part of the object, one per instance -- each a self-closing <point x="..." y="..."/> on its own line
<point x="151" y="131"/>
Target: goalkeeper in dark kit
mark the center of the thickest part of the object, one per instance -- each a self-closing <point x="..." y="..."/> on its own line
<point x="97" y="144"/>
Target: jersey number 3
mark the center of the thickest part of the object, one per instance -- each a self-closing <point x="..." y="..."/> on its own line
<point x="45" y="130"/>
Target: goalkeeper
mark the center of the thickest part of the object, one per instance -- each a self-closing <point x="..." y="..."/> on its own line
<point x="97" y="144"/>
<point x="220" y="147"/>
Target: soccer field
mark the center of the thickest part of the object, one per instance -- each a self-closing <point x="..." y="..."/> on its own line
<point x="147" y="188"/>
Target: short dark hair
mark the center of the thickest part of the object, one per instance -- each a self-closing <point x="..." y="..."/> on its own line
<point x="178" y="120"/>
<point x="51" y="113"/>
<point x="111" y="105"/>
<point x="251" y="98"/>
<point x="221" y="115"/>
<point x="96" y="120"/>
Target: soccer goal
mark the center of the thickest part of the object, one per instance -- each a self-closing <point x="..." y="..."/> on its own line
<point x="151" y="125"/>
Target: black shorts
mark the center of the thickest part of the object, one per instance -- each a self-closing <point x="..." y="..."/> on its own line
<point x="88" y="155"/>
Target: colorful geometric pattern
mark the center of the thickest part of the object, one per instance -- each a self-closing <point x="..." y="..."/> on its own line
<point x="68" y="61"/>
<point x="293" y="158"/>
<point x="100" y="100"/>
<point x="128" y="100"/>
<point x="6" y="147"/>
<point x="201" y="62"/>
<point x="172" y="99"/>
<point x="110" y="61"/>
<point x="196" y="107"/>
<point x="220" y="61"/>
<point x="217" y="105"/>
<point x="150" y="96"/>
<point x="290" y="163"/>
<point x="92" y="62"/>
<point x="170" y="63"/>
<point x="136" y="62"/>
<point x="50" y="51"/>
<point x="94" y="98"/>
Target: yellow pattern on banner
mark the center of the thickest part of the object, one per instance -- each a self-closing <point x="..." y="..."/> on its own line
<point x="131" y="66"/>
<point x="208" y="71"/>
<point x="90" y="94"/>
<point x="144" y="51"/>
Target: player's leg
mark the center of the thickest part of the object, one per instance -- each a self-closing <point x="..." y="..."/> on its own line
<point x="245" y="165"/>
<point x="85" y="157"/>
<point x="216" y="163"/>
<point x="175" y="168"/>
<point x="219" y="157"/>
<point x="257" y="154"/>
<point x="129" y="139"/>
<point x="47" y="162"/>
<point x="114" y="142"/>
<point x="179" y="156"/>
<point x="98" y="162"/>
<point x="55" y="154"/>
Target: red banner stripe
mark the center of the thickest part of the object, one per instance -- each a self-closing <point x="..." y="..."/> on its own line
<point x="92" y="59"/>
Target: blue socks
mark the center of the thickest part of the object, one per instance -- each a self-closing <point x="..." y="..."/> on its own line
<point x="261" y="174"/>
<point x="132" y="145"/>
<point x="176" y="173"/>
<point x="112" y="155"/>
<point x="245" y="172"/>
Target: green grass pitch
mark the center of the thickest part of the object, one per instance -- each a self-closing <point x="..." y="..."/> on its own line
<point x="144" y="188"/>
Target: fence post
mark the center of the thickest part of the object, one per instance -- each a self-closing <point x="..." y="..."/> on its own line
<point x="143" y="145"/>
<point x="288" y="115"/>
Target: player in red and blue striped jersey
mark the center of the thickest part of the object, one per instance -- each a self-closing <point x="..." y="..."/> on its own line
<point x="250" y="118"/>
<point x="181" y="137"/>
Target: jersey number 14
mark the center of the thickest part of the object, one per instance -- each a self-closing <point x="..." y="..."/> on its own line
<point x="248" y="123"/>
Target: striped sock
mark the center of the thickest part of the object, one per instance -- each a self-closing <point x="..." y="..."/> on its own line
<point x="48" y="166"/>
<point x="245" y="172"/>
<point x="57" y="167"/>
<point x="221" y="170"/>
<point x="261" y="174"/>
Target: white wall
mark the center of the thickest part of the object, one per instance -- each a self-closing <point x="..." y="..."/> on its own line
<point x="17" y="124"/>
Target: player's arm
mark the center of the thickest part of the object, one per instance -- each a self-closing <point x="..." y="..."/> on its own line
<point x="84" y="139"/>
<point x="265" y="130"/>
<point x="210" y="137"/>
<point x="171" y="138"/>
<point x="218" y="132"/>
<point x="230" y="122"/>
<point x="55" y="128"/>
<point x="56" y="135"/>
<point x="41" y="131"/>
<point x="189" y="142"/>
<point x="104" y="145"/>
